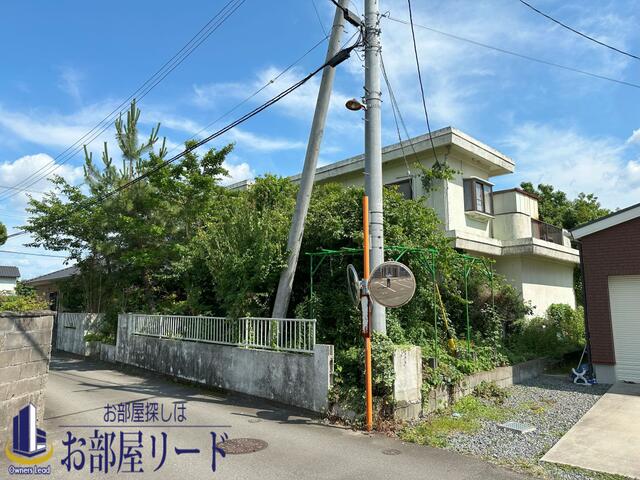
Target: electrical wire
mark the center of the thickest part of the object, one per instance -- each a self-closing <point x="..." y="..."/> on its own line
<point x="517" y="54"/>
<point x="257" y="92"/>
<point x="394" y="108"/>
<point x="263" y="87"/>
<point x="205" y="32"/>
<point x="21" y="190"/>
<point x="223" y="130"/>
<point x="584" y="35"/>
<point x="101" y="198"/>
<point x="315" y="8"/>
<point x="424" y="101"/>
<point x="32" y="254"/>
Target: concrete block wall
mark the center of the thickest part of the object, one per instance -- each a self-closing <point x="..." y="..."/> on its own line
<point x="409" y="402"/>
<point x="71" y="330"/>
<point x="446" y="395"/>
<point x="302" y="380"/>
<point x="25" y="351"/>
<point x="407" y="386"/>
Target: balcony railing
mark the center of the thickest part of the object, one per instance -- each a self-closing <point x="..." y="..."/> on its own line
<point x="546" y="232"/>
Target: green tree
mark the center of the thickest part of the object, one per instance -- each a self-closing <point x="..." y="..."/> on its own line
<point x="556" y="208"/>
<point x="131" y="247"/>
<point x="3" y="233"/>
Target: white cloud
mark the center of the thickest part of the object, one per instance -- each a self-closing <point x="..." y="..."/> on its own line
<point x="461" y="79"/>
<point x="635" y="137"/>
<point x="14" y="172"/>
<point x="55" y="130"/>
<point x="70" y="80"/>
<point x="299" y="105"/>
<point x="13" y="214"/>
<point x="209" y="95"/>
<point x="237" y="172"/>
<point x="573" y="162"/>
<point x="244" y="138"/>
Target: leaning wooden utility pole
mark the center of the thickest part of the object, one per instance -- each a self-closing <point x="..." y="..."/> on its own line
<point x="307" y="178"/>
<point x="373" y="146"/>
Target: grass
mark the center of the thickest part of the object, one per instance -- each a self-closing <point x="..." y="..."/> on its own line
<point x="532" y="406"/>
<point x="435" y="431"/>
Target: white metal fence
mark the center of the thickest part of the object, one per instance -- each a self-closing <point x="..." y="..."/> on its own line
<point x="289" y="334"/>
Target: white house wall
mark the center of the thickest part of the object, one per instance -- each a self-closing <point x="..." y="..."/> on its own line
<point x="7" y="284"/>
<point x="540" y="282"/>
<point x="457" y="219"/>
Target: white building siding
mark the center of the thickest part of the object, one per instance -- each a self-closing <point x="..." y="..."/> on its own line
<point x="7" y="284"/>
<point x="539" y="281"/>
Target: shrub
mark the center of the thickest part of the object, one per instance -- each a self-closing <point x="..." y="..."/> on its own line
<point x="560" y="331"/>
<point x="491" y="391"/>
<point x="12" y="302"/>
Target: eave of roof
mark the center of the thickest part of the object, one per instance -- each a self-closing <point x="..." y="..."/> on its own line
<point x="51" y="276"/>
<point x="608" y="221"/>
<point x="496" y="162"/>
<point x="9" y="271"/>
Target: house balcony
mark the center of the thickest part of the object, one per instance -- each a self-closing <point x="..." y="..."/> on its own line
<point x="547" y="232"/>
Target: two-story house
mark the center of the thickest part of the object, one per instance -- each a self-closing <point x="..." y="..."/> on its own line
<point x="535" y="257"/>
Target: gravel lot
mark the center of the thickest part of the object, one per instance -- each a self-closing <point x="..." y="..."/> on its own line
<point x="550" y="403"/>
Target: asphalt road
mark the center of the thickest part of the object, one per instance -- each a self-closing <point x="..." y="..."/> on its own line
<point x="298" y="445"/>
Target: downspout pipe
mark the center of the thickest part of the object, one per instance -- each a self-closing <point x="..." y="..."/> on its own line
<point x="584" y="303"/>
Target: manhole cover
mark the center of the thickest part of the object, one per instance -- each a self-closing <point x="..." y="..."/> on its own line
<point x="518" y="427"/>
<point x="237" y="446"/>
<point x="391" y="451"/>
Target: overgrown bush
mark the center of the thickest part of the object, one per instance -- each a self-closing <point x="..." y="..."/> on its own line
<point x="349" y="386"/>
<point x="559" y="331"/>
<point x="23" y="300"/>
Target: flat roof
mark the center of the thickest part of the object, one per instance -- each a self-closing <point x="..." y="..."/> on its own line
<point x="608" y="221"/>
<point x="496" y="162"/>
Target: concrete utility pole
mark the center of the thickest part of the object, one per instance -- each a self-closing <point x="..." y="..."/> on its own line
<point x="309" y="171"/>
<point x="373" y="147"/>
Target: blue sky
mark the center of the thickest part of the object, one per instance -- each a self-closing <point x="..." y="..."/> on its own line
<point x="65" y="66"/>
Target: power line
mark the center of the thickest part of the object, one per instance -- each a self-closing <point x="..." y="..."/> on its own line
<point x="579" y="32"/>
<point x="424" y="101"/>
<point x="205" y="32"/>
<point x="263" y="87"/>
<point x="315" y="7"/>
<point x="174" y="62"/>
<point x="233" y="124"/>
<point x="258" y="91"/>
<point x="32" y="254"/>
<point x="333" y="62"/>
<point x="517" y="54"/>
<point x="394" y="108"/>
<point x="21" y="190"/>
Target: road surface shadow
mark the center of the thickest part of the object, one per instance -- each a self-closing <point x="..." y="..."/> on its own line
<point x="152" y="385"/>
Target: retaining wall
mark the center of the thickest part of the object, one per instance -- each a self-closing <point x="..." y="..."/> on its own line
<point x="25" y="351"/>
<point x="298" y="379"/>
<point x="408" y="383"/>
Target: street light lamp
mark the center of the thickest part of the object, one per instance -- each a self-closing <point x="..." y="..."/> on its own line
<point x="354" y="105"/>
